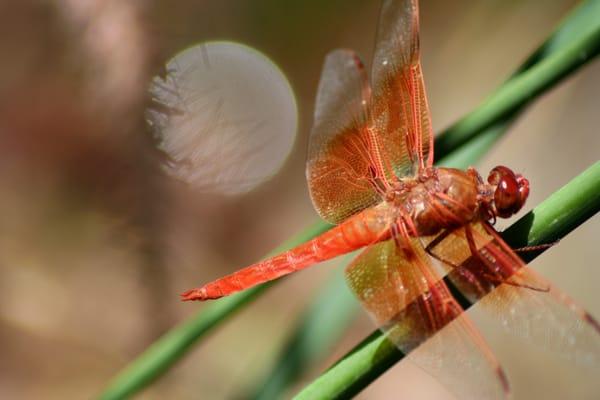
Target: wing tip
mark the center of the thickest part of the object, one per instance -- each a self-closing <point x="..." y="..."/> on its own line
<point x="587" y="317"/>
<point x="503" y="382"/>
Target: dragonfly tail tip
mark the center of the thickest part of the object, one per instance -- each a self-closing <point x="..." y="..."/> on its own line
<point x="194" y="295"/>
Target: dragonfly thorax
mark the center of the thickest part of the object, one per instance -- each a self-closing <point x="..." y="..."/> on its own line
<point x="445" y="198"/>
<point x="439" y="198"/>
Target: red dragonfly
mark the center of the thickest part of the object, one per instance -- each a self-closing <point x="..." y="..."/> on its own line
<point x="370" y="171"/>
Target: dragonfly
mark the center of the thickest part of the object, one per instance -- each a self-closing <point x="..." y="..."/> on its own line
<point x="427" y="232"/>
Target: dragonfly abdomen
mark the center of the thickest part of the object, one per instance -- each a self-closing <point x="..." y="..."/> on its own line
<point x="362" y="229"/>
<point x="367" y="227"/>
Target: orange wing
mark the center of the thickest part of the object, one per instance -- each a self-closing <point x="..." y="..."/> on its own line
<point x="339" y="167"/>
<point x="404" y="294"/>
<point x="522" y="301"/>
<point x="400" y="106"/>
<point x="361" y="143"/>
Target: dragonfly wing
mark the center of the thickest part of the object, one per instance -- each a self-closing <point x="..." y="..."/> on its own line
<point x="404" y="294"/>
<point x="400" y="106"/>
<point x="362" y="143"/>
<point x="522" y="301"/>
<point x="339" y="159"/>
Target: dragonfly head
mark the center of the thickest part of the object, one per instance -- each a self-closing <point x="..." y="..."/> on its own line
<point x="510" y="191"/>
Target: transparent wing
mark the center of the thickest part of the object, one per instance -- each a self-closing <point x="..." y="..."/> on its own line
<point x="400" y="106"/>
<point x="523" y="302"/>
<point x="340" y="165"/>
<point x="403" y="293"/>
<point x="361" y="144"/>
<point x="225" y="116"/>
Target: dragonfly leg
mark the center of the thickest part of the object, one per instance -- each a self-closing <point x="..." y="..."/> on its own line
<point x="539" y="247"/>
<point x="496" y="278"/>
<point x="463" y="271"/>
<point x="497" y="281"/>
<point x="429" y="249"/>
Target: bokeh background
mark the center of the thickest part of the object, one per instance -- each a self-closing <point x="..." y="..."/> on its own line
<point x="96" y="242"/>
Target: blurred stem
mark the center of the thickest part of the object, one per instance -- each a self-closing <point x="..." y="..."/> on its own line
<point x="554" y="218"/>
<point x="525" y="86"/>
<point x="163" y="353"/>
<point x="325" y="320"/>
<point x="562" y="54"/>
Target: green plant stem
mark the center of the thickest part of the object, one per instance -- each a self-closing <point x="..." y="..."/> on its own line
<point x="304" y="346"/>
<point x="325" y="320"/>
<point x="545" y="68"/>
<point x="520" y="90"/>
<point x="162" y="354"/>
<point x="579" y="24"/>
<point x="554" y="218"/>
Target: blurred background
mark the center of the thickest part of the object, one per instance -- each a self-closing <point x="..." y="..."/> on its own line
<point x="97" y="242"/>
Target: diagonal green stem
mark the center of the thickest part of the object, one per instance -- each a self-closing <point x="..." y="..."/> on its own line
<point x="305" y="348"/>
<point x="574" y="40"/>
<point x="522" y="89"/>
<point x="162" y="354"/>
<point x="319" y="328"/>
<point x="544" y="69"/>
<point x="554" y="218"/>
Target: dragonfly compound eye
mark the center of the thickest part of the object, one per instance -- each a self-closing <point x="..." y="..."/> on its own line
<point x="511" y="191"/>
